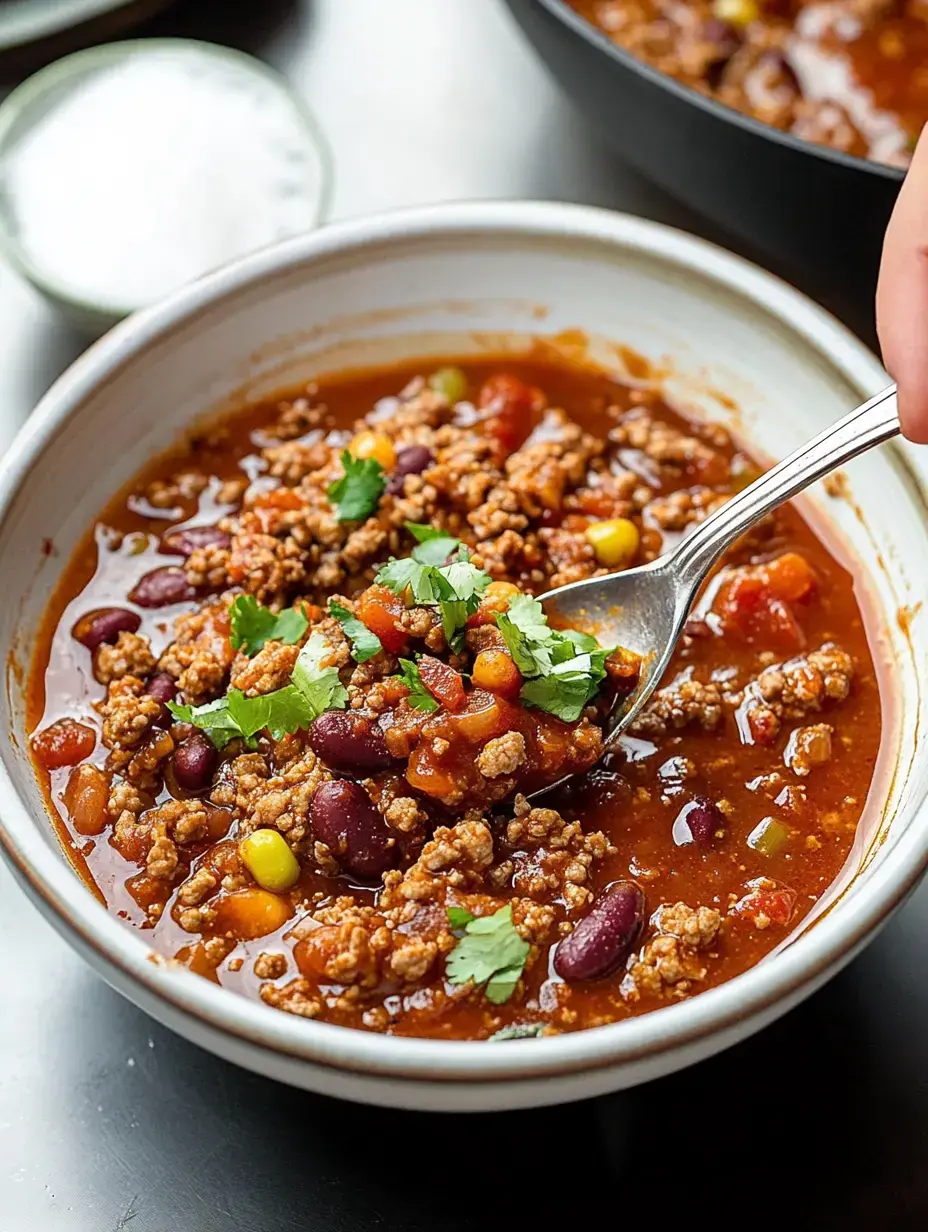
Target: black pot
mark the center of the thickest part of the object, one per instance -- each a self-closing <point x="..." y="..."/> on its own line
<point x="818" y="213"/>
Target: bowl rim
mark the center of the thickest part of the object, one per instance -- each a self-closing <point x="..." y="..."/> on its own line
<point x="20" y="102"/>
<point x="599" y="40"/>
<point x="86" y="923"/>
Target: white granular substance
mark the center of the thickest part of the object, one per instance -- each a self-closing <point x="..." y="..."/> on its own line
<point x="151" y="172"/>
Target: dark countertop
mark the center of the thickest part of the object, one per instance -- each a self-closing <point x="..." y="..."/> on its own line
<point x="109" y="1122"/>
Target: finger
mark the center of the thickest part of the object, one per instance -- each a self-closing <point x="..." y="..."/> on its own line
<point x="902" y="297"/>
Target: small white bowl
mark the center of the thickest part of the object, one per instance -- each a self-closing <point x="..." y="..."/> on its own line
<point x="452" y="278"/>
<point x="39" y="95"/>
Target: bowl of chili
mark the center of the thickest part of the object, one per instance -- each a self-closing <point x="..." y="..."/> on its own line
<point x="278" y="688"/>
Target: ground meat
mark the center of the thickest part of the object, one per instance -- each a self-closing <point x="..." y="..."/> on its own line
<point x="684" y="701"/>
<point x="282" y="801"/>
<point x="127" y="713"/>
<point x="197" y="887"/>
<point x="672" y="450"/>
<point x="551" y="858"/>
<point x="792" y="690"/>
<point x="270" y="966"/>
<point x="297" y="997"/>
<point x="678" y="510"/>
<point x="270" y="669"/>
<point x="200" y="656"/>
<point x="503" y="755"/>
<point x="671" y="959"/>
<point x="808" y="747"/>
<point x="130" y="656"/>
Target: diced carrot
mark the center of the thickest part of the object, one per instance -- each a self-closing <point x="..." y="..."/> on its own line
<point x="148" y="891"/>
<point x="443" y="682"/>
<point x="789" y="577"/>
<point x="279" y="498"/>
<point x="248" y="914"/>
<point x="486" y="715"/>
<point x="380" y="609"/>
<point x="85" y="798"/>
<point x="425" y="774"/>
<point x="64" y="743"/>
<point x="495" y="670"/>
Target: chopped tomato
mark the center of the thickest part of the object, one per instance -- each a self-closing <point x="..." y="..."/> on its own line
<point x="767" y="902"/>
<point x="443" y="682"/>
<point x="65" y="743"/>
<point x="380" y="609"/>
<point x="513" y="410"/>
<point x="755" y="603"/>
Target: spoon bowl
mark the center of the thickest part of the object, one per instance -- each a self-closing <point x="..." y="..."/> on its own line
<point x="645" y="609"/>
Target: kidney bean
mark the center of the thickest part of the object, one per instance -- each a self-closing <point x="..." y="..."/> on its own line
<point x="186" y="539"/>
<point x="409" y="461"/>
<point x="104" y="624"/>
<point x="344" y="818"/>
<point x="162" y="688"/>
<point x="603" y="940"/>
<point x="162" y="587"/>
<point x="195" y="762"/>
<point x="697" y="822"/>
<point x="353" y="743"/>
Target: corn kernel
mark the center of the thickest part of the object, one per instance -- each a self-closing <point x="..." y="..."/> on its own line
<point x="374" y="445"/>
<point x="615" y="542"/>
<point x="451" y="382"/>
<point x="269" y="860"/>
<point x="738" y="12"/>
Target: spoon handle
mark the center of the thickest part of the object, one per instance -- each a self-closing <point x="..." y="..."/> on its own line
<point x="871" y="424"/>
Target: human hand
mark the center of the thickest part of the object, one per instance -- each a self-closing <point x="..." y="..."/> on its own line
<point x="902" y="297"/>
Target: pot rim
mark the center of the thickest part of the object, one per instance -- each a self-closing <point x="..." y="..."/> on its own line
<point x="77" y="911"/>
<point x="601" y="42"/>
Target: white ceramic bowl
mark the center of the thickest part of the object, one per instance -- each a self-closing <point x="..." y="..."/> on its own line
<point x="470" y="277"/>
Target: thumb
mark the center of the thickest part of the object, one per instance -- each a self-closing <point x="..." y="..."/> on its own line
<point x="902" y="297"/>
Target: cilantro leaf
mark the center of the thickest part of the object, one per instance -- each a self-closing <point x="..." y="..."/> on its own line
<point x="569" y="686"/>
<point x="312" y="690"/>
<point x="455" y="588"/>
<point x="400" y="575"/>
<point x="519" y="1030"/>
<point x="563" y="667"/>
<point x="319" y="687"/>
<point x="356" y="495"/>
<point x="213" y="718"/>
<point x="434" y="545"/>
<point x="253" y="625"/>
<point x="419" y="696"/>
<point x="525" y="631"/>
<point x="364" y="643"/>
<point x="459" y="917"/>
<point x="492" y="953"/>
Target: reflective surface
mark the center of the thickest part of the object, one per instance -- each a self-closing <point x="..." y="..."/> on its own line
<point x="109" y="1123"/>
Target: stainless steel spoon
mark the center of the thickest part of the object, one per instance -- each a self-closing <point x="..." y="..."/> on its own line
<point x="645" y="609"/>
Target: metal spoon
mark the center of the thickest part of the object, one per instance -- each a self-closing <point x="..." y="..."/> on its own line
<point x="645" y="609"/>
